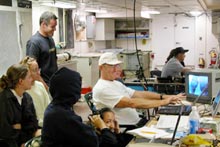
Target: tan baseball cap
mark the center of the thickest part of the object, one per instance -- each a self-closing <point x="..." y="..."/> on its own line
<point x="109" y="58"/>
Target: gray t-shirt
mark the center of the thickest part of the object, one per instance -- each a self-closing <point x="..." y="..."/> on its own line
<point x="172" y="68"/>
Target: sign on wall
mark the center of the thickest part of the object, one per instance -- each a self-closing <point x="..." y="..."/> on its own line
<point x="24" y="4"/>
<point x="6" y="2"/>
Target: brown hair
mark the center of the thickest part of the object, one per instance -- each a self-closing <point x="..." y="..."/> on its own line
<point x="14" y="73"/>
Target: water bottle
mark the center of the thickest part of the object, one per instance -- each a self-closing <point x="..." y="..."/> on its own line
<point x="193" y="121"/>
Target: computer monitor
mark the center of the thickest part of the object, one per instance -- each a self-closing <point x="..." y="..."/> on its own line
<point x="198" y="81"/>
<point x="216" y="104"/>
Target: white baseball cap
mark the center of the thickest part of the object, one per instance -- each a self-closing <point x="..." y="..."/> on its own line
<point x="109" y="58"/>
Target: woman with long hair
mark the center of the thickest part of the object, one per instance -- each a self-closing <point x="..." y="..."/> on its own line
<point x="18" y="121"/>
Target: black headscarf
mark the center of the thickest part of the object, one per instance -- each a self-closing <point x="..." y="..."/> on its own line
<point x="65" y="86"/>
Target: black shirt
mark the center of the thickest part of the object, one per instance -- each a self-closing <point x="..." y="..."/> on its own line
<point x="11" y="112"/>
<point x="43" y="50"/>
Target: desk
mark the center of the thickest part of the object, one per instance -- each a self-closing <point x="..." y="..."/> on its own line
<point x="148" y="145"/>
<point x="139" y="141"/>
<point x="166" y="88"/>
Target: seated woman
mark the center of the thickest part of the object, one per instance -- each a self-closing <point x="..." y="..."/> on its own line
<point x="112" y="131"/>
<point x="18" y="121"/>
<point x="175" y="65"/>
<point x="38" y="92"/>
<point x="62" y="127"/>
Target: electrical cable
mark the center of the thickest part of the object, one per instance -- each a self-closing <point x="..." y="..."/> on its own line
<point x="140" y="72"/>
<point x="126" y="22"/>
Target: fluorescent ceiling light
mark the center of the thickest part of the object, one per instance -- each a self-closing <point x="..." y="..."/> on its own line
<point x="145" y="15"/>
<point x="96" y="10"/>
<point x="195" y="13"/>
<point x="59" y="4"/>
<point x="151" y="12"/>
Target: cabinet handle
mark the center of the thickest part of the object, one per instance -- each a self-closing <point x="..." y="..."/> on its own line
<point x="90" y="61"/>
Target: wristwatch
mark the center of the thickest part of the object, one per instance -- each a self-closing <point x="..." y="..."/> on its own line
<point x="161" y="96"/>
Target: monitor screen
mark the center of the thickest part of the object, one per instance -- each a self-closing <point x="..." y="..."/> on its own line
<point x="199" y="87"/>
<point x="215" y="105"/>
<point x="197" y="84"/>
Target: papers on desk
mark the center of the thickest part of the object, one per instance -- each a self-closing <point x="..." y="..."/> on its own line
<point x="169" y="122"/>
<point x="148" y="132"/>
<point x="164" y="128"/>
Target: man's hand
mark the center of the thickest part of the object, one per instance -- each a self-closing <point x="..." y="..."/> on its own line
<point x="172" y="100"/>
<point x="176" y="98"/>
<point x="182" y="95"/>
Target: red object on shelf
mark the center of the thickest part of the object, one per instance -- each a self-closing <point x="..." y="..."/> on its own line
<point x="85" y="90"/>
<point x="204" y="130"/>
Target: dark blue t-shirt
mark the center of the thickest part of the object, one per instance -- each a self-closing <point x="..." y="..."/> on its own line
<point x="43" y="50"/>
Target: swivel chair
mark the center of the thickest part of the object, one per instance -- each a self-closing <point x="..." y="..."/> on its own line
<point x="88" y="98"/>
<point x="34" y="142"/>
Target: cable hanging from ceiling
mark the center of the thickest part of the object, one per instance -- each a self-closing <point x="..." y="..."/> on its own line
<point x="140" y="72"/>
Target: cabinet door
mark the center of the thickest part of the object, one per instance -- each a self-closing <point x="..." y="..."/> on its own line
<point x="105" y="29"/>
<point x="84" y="68"/>
<point x="88" y="69"/>
<point x="162" y="38"/>
<point x="109" y="29"/>
<point x="94" y="70"/>
<point x="185" y="37"/>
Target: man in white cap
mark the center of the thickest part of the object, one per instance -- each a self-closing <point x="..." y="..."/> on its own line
<point x="123" y="100"/>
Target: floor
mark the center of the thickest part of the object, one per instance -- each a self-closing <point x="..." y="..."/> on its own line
<point x="82" y="109"/>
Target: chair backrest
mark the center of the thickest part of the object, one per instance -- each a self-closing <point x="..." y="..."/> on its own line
<point x="34" y="142"/>
<point x="155" y="73"/>
<point x="88" y="98"/>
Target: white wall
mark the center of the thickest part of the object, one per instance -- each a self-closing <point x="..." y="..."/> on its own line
<point x="163" y="39"/>
<point x="15" y="31"/>
<point x="37" y="10"/>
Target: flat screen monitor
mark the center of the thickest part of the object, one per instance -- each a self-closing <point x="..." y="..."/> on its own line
<point x="216" y="105"/>
<point x="196" y="83"/>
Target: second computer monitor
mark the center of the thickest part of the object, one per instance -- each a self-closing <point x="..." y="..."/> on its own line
<point x="206" y="81"/>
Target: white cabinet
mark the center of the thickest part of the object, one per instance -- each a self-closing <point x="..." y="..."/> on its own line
<point x="125" y="34"/>
<point x="125" y="29"/>
<point x="105" y="29"/>
<point x="88" y="69"/>
<point x="90" y="26"/>
<point x="71" y="64"/>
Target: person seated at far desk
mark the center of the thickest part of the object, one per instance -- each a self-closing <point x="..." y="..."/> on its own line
<point x="123" y="100"/>
<point x="118" y="139"/>
<point x="61" y="126"/>
<point x="174" y="66"/>
<point x="38" y="92"/>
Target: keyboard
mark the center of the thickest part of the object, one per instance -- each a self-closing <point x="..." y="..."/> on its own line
<point x="174" y="109"/>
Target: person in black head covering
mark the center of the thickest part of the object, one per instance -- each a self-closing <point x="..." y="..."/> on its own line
<point x="174" y="65"/>
<point x="172" y="54"/>
<point x="61" y="126"/>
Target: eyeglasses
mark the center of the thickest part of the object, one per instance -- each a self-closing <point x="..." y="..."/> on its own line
<point x="114" y="66"/>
